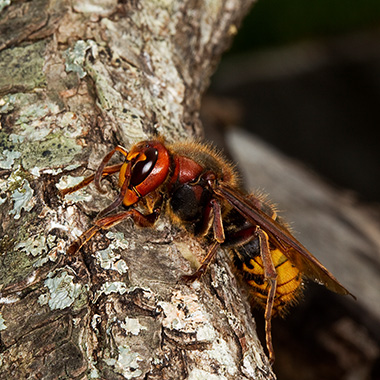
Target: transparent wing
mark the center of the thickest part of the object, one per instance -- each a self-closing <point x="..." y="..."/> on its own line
<point x="282" y="239"/>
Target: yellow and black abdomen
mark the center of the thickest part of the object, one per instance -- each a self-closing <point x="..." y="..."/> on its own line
<point x="248" y="261"/>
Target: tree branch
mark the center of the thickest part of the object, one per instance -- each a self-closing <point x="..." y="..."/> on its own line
<point x="78" y="81"/>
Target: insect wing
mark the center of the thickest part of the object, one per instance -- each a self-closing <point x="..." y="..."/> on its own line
<point x="282" y="239"/>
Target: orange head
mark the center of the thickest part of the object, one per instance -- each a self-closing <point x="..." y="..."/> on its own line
<point x="147" y="166"/>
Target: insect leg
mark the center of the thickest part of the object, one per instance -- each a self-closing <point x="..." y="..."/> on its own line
<point x="119" y="200"/>
<point x="107" y="222"/>
<point x="207" y="221"/>
<point x="107" y="171"/>
<point x="218" y="221"/>
<point x="219" y="238"/>
<point x="271" y="277"/>
<point x="205" y="263"/>
<point x="99" y="171"/>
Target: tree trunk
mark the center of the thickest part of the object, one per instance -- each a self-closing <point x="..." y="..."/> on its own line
<point x="78" y="78"/>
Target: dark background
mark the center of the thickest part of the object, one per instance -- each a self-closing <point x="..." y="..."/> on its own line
<point x="307" y="74"/>
<point x="305" y="77"/>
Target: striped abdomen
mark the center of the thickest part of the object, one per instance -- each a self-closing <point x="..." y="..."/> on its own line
<point x="248" y="262"/>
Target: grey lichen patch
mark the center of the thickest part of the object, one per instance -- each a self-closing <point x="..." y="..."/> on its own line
<point x="3" y="326"/>
<point x="9" y="158"/>
<point x="34" y="112"/>
<point x="195" y="319"/>
<point x="251" y="361"/>
<point x="56" y="149"/>
<point x="155" y="84"/>
<point x="164" y="88"/>
<point x="93" y="371"/>
<point x="63" y="292"/>
<point x="127" y="363"/>
<point x="131" y="126"/>
<point x="23" y="199"/>
<point x="39" y="246"/>
<point x="4" y="4"/>
<point x="7" y="103"/>
<point x="21" y="194"/>
<point x="46" y="137"/>
<point x="113" y="287"/>
<point x="15" y="139"/>
<point x="132" y="326"/>
<point x="126" y="110"/>
<point x="26" y="76"/>
<point x="121" y="288"/>
<point x="94" y="7"/>
<point x="108" y="258"/>
<point x="17" y="101"/>
<point x="206" y="333"/>
<point x="223" y="354"/>
<point x="18" y="264"/>
<point x="119" y="239"/>
<point x="211" y="14"/>
<point x="35" y="245"/>
<point x="199" y="374"/>
<point x="75" y="57"/>
<point x="166" y="85"/>
<point x="189" y="319"/>
<point x="42" y="137"/>
<point x="9" y="154"/>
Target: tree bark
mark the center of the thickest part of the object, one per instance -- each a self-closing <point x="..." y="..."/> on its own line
<point x="77" y="79"/>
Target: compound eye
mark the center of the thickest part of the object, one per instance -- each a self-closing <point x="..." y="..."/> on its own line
<point x="142" y="169"/>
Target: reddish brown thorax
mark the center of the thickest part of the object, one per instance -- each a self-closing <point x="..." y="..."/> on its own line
<point x="185" y="170"/>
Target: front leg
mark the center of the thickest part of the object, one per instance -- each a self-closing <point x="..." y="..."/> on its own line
<point x="106" y="171"/>
<point x="107" y="222"/>
<point x="218" y="230"/>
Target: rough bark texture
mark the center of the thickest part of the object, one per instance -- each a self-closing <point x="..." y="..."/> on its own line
<point x="77" y="78"/>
